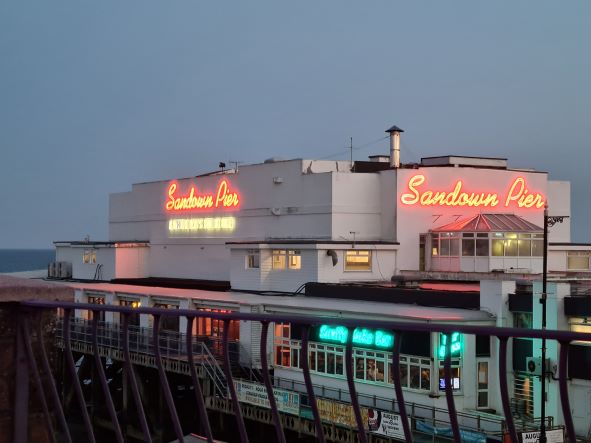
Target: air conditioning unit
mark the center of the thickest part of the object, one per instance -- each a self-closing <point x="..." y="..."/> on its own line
<point x="52" y="270"/>
<point x="534" y="365"/>
<point x="65" y="269"/>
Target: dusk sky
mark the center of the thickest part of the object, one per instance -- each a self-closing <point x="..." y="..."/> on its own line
<point x="95" y="96"/>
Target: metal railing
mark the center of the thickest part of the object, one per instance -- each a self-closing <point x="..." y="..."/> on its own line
<point x="172" y="346"/>
<point x="26" y="363"/>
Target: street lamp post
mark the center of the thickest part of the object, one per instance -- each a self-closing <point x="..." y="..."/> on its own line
<point x="548" y="222"/>
<point x="543" y="301"/>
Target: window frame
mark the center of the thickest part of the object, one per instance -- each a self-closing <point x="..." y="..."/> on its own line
<point x="253" y="259"/>
<point x="355" y="253"/>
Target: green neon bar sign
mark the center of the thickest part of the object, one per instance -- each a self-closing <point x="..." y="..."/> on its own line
<point x="361" y="336"/>
<point x="456" y="345"/>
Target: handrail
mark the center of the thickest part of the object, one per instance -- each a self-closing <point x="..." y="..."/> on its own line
<point x="563" y="337"/>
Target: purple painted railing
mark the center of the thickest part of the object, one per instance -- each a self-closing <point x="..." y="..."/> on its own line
<point x="27" y="365"/>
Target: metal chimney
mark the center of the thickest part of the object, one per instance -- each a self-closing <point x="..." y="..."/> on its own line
<point x="394" y="132"/>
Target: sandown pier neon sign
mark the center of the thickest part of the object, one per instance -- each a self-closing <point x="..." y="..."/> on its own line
<point x="224" y="197"/>
<point x="517" y="195"/>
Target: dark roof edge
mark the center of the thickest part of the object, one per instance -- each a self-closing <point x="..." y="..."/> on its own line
<point x="97" y="243"/>
<point x="567" y="244"/>
<point x="311" y="242"/>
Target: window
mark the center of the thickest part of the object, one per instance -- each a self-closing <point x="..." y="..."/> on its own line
<point x="415" y="373"/>
<point x="522" y="320"/>
<point x="537" y="245"/>
<point x="498" y="245"/>
<point x="294" y="259"/>
<point x="96" y="300"/>
<point x="291" y="259"/>
<point x="253" y="259"/>
<point x="446" y="244"/>
<point x="89" y="256"/>
<point x="577" y="260"/>
<point x="285" y="354"/>
<point x="524" y="245"/>
<point x="482" y="244"/>
<point x="455" y="375"/>
<point x="357" y="260"/>
<point x="511" y="244"/>
<point x="468" y="248"/>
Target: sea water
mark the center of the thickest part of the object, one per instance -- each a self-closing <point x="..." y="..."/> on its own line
<point x="19" y="260"/>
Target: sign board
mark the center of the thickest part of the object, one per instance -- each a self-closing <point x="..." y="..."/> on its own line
<point x="338" y="413"/>
<point x="384" y="423"/>
<point x="362" y="337"/>
<point x="554" y="436"/>
<point x="256" y="394"/>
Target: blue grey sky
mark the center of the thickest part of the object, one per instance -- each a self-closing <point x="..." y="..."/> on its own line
<point x="95" y="96"/>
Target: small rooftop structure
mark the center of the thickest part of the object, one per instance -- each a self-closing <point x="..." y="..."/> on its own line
<point x="458" y="160"/>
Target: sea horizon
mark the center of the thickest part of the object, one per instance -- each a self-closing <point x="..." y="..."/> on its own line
<point x="25" y="259"/>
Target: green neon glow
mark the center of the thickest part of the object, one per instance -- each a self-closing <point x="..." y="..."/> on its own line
<point x="361" y="336"/>
<point x="455" y="347"/>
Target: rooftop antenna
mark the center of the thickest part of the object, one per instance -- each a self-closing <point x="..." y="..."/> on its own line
<point x="353" y="233"/>
<point x="351" y="148"/>
<point x="235" y="163"/>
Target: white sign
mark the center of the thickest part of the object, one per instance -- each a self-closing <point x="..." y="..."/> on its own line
<point x="384" y="423"/>
<point x="256" y="394"/>
<point x="555" y="436"/>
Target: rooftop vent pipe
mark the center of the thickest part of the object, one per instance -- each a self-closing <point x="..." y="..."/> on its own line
<point x="394" y="132"/>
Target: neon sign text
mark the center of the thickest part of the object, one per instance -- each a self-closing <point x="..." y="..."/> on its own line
<point x="455" y="346"/>
<point x="361" y="336"/>
<point x="202" y="224"/>
<point x="518" y="194"/>
<point x="223" y="197"/>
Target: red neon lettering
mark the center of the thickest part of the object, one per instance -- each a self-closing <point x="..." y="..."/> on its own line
<point x="518" y="194"/>
<point x="224" y="198"/>
<point x="441" y="198"/>
<point x="524" y="198"/>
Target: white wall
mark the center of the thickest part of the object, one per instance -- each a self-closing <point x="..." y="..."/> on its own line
<point x="413" y="220"/>
<point x="86" y="271"/>
<point x="356" y="207"/>
<point x="317" y="266"/>
<point x="131" y="262"/>
<point x="559" y="205"/>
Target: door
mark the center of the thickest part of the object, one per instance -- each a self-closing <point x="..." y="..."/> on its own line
<point x="482" y="401"/>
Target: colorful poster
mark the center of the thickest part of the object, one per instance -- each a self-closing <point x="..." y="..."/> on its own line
<point x="384" y="423"/>
<point x="256" y="394"/>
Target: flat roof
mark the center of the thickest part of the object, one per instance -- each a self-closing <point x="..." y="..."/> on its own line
<point x="302" y="304"/>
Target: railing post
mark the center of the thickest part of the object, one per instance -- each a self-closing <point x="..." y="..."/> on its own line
<point x="21" y="401"/>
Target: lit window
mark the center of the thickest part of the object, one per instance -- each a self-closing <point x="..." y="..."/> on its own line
<point x="356" y="260"/>
<point x="89" y="256"/>
<point x="578" y="260"/>
<point x="446" y="244"/>
<point x="291" y="259"/>
<point x="294" y="259"/>
<point x="279" y="259"/>
<point x="253" y="259"/>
